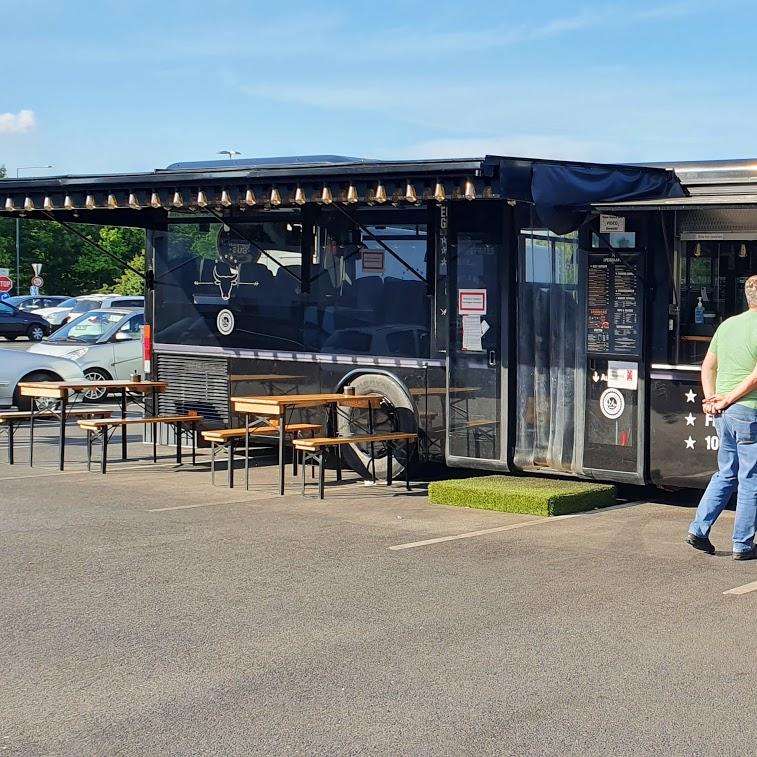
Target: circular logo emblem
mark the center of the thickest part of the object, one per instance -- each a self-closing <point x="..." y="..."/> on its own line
<point x="232" y="248"/>
<point x="612" y="404"/>
<point x="225" y="322"/>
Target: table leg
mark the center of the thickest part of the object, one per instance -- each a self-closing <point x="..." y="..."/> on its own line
<point x="62" y="438"/>
<point x="10" y="442"/>
<point x="178" y="443"/>
<point x="123" y="428"/>
<point x="154" y="426"/>
<point x="373" y="450"/>
<point x="282" y="424"/>
<point x="247" y="451"/>
<point x="31" y="432"/>
<point x="104" y="458"/>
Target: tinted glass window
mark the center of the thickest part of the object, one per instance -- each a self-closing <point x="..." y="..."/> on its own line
<point x="214" y="287"/>
<point x="401" y="342"/>
<point x="87" y="328"/>
<point x="127" y="303"/>
<point x="82" y="306"/>
<point x="5" y="310"/>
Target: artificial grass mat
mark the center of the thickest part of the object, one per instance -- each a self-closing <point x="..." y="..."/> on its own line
<point x="531" y="496"/>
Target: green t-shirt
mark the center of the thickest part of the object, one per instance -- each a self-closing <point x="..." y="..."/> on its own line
<point x="735" y="344"/>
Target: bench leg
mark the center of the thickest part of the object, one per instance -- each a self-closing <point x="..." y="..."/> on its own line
<point x="304" y="468"/>
<point x="321" y="474"/>
<point x="31" y="434"/>
<point x="231" y="463"/>
<point x="194" y="445"/>
<point x="154" y="440"/>
<point x="294" y="455"/>
<point x="407" y="464"/>
<point x="339" y="462"/>
<point x="212" y="463"/>
<point x="104" y="458"/>
<point x="89" y="450"/>
<point x="62" y="438"/>
<point x="373" y="463"/>
<point x="178" y="443"/>
<point x="246" y="452"/>
<point x="389" y="464"/>
<point x="10" y="442"/>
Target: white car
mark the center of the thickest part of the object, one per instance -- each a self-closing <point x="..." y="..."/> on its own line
<point x="71" y="308"/>
<point x="105" y="343"/>
<point x="18" y="366"/>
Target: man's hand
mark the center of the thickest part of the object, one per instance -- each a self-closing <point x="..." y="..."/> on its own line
<point x="714" y="405"/>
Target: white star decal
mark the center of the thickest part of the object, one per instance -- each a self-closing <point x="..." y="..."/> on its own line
<point x="690" y="419"/>
<point x="690" y="396"/>
<point x="690" y="442"/>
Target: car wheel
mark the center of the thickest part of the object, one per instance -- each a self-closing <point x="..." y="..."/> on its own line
<point x="35" y="332"/>
<point x="25" y="403"/>
<point x="95" y="374"/>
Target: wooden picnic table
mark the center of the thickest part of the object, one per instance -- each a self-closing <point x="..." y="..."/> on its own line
<point x="61" y="390"/>
<point x="271" y="406"/>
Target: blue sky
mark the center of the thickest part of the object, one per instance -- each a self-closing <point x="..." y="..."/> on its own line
<point x="120" y="86"/>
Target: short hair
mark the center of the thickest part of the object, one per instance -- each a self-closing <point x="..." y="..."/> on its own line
<point x="750" y="289"/>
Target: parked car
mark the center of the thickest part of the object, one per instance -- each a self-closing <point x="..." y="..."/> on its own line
<point x="35" y="302"/>
<point x="55" y="315"/>
<point x="93" y="301"/>
<point x="15" y="323"/>
<point x="16" y="366"/>
<point x="105" y="343"/>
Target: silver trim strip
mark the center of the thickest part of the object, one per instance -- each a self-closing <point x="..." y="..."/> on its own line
<point x="300" y="357"/>
<point x="666" y="367"/>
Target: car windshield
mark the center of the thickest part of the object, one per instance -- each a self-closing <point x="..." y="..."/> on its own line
<point x="88" y="327"/>
<point x="82" y="306"/>
<point x="69" y="303"/>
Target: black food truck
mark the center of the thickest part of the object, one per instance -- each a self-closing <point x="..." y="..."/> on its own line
<point x="521" y="315"/>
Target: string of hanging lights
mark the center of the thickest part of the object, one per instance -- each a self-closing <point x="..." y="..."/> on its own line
<point x="377" y="192"/>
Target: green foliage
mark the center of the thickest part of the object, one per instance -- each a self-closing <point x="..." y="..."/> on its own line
<point x="130" y="282"/>
<point x="69" y="265"/>
<point x="3" y="172"/>
<point x="531" y="496"/>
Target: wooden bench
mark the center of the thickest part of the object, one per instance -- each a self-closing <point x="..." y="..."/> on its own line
<point x="12" y="418"/>
<point x="102" y="426"/>
<point x="227" y="439"/>
<point x="313" y="449"/>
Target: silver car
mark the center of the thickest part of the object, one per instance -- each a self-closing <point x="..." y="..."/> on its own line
<point x="16" y="366"/>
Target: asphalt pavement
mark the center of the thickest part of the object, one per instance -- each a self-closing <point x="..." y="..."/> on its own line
<point x="146" y="612"/>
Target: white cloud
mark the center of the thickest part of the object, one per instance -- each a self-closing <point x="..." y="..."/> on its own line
<point x="17" y="123"/>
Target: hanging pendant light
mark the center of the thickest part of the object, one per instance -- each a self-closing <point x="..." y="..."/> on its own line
<point x="134" y="201"/>
<point x="9" y="204"/>
<point x="225" y="198"/>
<point x="48" y="203"/>
<point x="326" y="197"/>
<point x="352" y="194"/>
<point x="275" y="197"/>
<point x="410" y="193"/>
<point x="155" y="200"/>
<point x="469" y="191"/>
<point x="28" y="204"/>
<point x="178" y="200"/>
<point x="249" y="198"/>
<point x="439" y="193"/>
<point x="202" y="199"/>
<point x="89" y="202"/>
<point x="299" y="196"/>
<point x="380" y="195"/>
<point x="112" y="201"/>
<point x="742" y="250"/>
<point x="698" y="250"/>
<point x="68" y="203"/>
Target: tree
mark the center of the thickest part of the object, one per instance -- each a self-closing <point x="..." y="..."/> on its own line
<point x="130" y="282"/>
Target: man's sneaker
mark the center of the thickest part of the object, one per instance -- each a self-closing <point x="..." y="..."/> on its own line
<point x="750" y="554"/>
<point x="702" y="543"/>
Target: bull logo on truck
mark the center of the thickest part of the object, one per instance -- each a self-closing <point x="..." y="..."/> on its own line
<point x="231" y="252"/>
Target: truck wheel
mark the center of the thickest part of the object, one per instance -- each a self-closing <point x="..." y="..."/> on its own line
<point x="396" y="413"/>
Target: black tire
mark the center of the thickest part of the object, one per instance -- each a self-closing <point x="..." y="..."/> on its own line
<point x="36" y="332"/>
<point x="95" y="374"/>
<point x="25" y="403"/>
<point x="397" y="413"/>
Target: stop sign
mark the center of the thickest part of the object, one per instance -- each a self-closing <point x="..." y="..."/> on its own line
<point x="6" y="284"/>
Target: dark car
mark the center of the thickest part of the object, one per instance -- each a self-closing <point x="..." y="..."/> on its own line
<point x="35" y="302"/>
<point x="15" y="322"/>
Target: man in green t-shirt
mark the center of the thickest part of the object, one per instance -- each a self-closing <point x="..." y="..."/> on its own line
<point x="729" y="383"/>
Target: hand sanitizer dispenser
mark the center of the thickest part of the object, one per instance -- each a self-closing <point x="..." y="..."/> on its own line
<point x="699" y="313"/>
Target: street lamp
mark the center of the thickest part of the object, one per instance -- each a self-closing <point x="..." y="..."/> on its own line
<point x="230" y="153"/>
<point x="18" y="229"/>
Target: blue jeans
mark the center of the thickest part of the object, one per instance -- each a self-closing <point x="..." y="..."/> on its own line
<point x="737" y="467"/>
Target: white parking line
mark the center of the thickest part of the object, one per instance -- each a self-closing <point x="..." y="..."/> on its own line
<point x="199" y="504"/>
<point x="745" y="589"/>
<point x="510" y="527"/>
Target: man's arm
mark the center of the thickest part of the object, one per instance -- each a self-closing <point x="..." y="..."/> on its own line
<point x="709" y="374"/>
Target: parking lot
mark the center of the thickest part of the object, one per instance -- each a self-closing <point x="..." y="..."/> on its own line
<point x="148" y="612"/>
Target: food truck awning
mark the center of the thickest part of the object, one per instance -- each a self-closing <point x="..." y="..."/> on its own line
<point x="694" y="202"/>
<point x="560" y="191"/>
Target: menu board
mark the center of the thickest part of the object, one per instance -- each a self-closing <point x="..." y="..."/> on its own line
<point x="613" y="304"/>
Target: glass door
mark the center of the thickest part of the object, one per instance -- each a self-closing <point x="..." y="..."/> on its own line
<point x="476" y="416"/>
